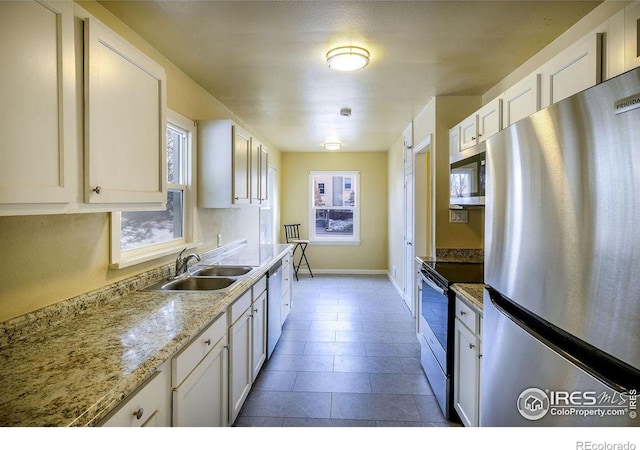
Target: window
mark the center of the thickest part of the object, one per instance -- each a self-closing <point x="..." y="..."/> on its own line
<point x="334" y="212"/>
<point x="139" y="236"/>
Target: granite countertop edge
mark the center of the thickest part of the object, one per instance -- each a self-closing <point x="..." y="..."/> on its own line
<point x="69" y="404"/>
<point x="471" y="293"/>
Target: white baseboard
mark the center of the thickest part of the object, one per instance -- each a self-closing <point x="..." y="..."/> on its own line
<point x="395" y="285"/>
<point x="303" y="271"/>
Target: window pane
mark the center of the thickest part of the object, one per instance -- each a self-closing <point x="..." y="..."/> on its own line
<point x="176" y="140"/>
<point x="334" y="222"/>
<point x="142" y="228"/>
<point x="461" y="184"/>
<point x="333" y="190"/>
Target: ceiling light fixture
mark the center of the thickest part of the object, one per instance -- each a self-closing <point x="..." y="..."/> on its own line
<point x="332" y="145"/>
<point x="348" y="58"/>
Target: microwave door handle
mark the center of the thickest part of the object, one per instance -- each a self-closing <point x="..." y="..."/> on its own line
<point x="432" y="285"/>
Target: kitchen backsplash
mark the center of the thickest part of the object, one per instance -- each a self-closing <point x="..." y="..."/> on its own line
<point x="461" y="254"/>
<point x="17" y="327"/>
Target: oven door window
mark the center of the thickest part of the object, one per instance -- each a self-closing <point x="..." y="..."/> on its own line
<point x="435" y="306"/>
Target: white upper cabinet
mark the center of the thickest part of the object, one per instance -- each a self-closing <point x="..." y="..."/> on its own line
<point x="264" y="174"/>
<point x="469" y="132"/>
<point x="521" y="100"/>
<point x="632" y="36"/>
<point x="454" y="144"/>
<point x="573" y="70"/>
<point x="232" y="166"/>
<point x="489" y="119"/>
<point x="37" y="93"/>
<point x="125" y="121"/>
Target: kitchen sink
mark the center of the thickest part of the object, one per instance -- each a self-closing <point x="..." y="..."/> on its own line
<point x="222" y="271"/>
<point x="193" y="284"/>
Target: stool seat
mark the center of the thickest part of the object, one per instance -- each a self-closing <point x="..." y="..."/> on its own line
<point x="292" y="234"/>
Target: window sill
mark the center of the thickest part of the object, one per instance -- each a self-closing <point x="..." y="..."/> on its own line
<point x="335" y="242"/>
<point x="134" y="259"/>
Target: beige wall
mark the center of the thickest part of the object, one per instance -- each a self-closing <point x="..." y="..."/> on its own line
<point x="449" y="112"/>
<point x="371" y="254"/>
<point x="47" y="259"/>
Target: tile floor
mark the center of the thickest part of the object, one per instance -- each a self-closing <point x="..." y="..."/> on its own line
<point x="348" y="357"/>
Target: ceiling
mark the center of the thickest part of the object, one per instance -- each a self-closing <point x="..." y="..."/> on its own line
<point x="265" y="60"/>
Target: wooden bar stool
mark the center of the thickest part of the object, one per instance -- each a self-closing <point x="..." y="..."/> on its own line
<point x="292" y="233"/>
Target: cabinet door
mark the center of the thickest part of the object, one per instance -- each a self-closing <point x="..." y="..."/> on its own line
<point x="522" y="99"/>
<point x="454" y="144"/>
<point x="489" y="119"/>
<point x="241" y="165"/>
<point x="264" y="175"/>
<point x="632" y="36"/>
<point x="469" y="132"/>
<point x="201" y="399"/>
<point x="259" y="334"/>
<point x="254" y="175"/>
<point x="125" y="123"/>
<point x="466" y="375"/>
<point x="239" y="363"/>
<point x="147" y="406"/>
<point x="37" y="93"/>
<point x="575" y="69"/>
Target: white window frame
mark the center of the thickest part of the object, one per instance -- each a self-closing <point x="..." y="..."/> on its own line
<point x="335" y="240"/>
<point x="124" y="258"/>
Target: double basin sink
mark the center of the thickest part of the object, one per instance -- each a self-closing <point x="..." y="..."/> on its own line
<point x="204" y="278"/>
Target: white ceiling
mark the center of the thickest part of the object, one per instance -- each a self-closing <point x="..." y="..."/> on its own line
<point x="265" y="60"/>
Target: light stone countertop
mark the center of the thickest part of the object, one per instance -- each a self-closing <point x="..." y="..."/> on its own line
<point x="472" y="293"/>
<point x="74" y="372"/>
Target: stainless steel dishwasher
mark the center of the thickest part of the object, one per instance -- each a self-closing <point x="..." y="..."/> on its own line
<point x="274" y="306"/>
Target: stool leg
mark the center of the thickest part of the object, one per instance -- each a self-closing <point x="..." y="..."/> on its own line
<point x="293" y="257"/>
<point x="304" y="247"/>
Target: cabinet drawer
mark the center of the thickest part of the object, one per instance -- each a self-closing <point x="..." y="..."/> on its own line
<point x="189" y="357"/>
<point x="467" y="315"/>
<point x="259" y="287"/>
<point x="144" y="406"/>
<point x="240" y="306"/>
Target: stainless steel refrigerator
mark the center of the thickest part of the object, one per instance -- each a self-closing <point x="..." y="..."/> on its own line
<point x="561" y="323"/>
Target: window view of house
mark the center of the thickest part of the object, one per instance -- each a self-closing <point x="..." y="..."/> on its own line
<point x="144" y="228"/>
<point x="334" y="205"/>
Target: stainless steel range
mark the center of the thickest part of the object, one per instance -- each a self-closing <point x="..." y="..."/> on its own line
<point x="435" y="324"/>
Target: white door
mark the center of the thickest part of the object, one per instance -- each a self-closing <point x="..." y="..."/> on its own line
<point x="409" y="252"/>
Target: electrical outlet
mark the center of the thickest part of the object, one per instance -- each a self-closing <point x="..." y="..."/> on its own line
<point x="458" y="216"/>
<point x="219" y="240"/>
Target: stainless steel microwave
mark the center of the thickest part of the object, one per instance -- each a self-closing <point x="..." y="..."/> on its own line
<point x="467" y="181"/>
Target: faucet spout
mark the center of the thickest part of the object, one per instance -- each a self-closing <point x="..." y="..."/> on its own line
<point x="182" y="264"/>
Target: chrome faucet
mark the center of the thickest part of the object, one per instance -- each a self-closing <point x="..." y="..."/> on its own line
<point x="182" y="264"/>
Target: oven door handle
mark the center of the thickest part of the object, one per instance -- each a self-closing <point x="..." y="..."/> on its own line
<point x="432" y="285"/>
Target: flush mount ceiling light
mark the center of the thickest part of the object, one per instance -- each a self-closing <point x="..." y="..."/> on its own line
<point x="347" y="58"/>
<point x="332" y="145"/>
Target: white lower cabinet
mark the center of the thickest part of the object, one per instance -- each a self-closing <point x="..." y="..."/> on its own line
<point x="147" y="406"/>
<point x="200" y="382"/>
<point x="467" y="354"/>
<point x="287" y="273"/>
<point x="240" y="352"/>
<point x="258" y="327"/>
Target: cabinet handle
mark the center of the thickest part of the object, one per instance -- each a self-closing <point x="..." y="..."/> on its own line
<point x="139" y="413"/>
<point x="471" y="346"/>
<point x="479" y="355"/>
<point x="462" y="313"/>
<point x="237" y="198"/>
<point x="255" y="310"/>
<point x="97" y="190"/>
<point x="208" y="342"/>
<point x="473" y="138"/>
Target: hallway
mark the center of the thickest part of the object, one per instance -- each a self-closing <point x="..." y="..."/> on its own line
<point x="348" y="357"/>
